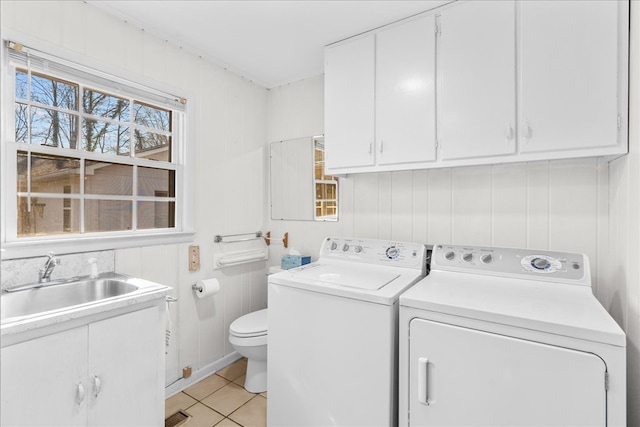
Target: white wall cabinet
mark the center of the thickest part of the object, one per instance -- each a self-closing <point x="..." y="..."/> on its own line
<point x="569" y="75"/>
<point x="477" y="80"/>
<point x="109" y="372"/>
<point x="380" y="99"/>
<point x="405" y="93"/>
<point x="349" y="104"/>
<point x="516" y="81"/>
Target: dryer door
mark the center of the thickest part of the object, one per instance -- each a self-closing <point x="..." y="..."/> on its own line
<point x="461" y="376"/>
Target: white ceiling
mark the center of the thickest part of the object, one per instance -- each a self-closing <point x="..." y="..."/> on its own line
<point x="269" y="42"/>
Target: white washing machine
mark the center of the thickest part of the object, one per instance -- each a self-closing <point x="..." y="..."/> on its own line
<point x="507" y="337"/>
<point x="333" y="334"/>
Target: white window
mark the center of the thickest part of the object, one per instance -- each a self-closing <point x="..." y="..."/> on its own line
<point x="88" y="156"/>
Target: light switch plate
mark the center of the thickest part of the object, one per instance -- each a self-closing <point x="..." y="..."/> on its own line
<point x="194" y="258"/>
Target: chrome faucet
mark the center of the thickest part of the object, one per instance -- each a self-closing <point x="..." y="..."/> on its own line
<point x="44" y="273"/>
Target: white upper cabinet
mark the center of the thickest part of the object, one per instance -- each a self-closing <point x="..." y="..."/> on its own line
<point x="514" y="81"/>
<point x="476" y="77"/>
<point x="349" y="103"/>
<point x="570" y="74"/>
<point x="380" y="99"/>
<point x="405" y="93"/>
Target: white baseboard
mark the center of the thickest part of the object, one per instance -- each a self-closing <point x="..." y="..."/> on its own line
<point x="201" y="373"/>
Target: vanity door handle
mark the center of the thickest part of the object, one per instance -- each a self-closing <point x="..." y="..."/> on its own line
<point x="97" y="386"/>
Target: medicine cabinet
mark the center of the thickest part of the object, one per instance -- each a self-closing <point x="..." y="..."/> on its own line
<point x="299" y="188"/>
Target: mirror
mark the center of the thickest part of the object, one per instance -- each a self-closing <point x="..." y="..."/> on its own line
<point x="299" y="188"/>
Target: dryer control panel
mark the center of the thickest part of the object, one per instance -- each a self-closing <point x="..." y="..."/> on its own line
<point x="381" y="252"/>
<point x="550" y="266"/>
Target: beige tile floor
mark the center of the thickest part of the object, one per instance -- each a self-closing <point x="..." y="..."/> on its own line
<point x="220" y="400"/>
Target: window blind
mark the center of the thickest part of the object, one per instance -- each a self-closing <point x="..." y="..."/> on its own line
<point x="25" y="57"/>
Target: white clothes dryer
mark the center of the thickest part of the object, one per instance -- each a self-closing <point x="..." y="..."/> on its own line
<point x="509" y="337"/>
<point x="333" y="334"/>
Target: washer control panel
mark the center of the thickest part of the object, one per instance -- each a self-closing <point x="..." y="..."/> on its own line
<point x="383" y="252"/>
<point x="524" y="263"/>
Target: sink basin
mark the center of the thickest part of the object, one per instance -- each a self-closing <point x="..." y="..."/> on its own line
<point x="49" y="298"/>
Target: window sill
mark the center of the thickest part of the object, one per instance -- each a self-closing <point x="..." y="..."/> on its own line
<point x="34" y="248"/>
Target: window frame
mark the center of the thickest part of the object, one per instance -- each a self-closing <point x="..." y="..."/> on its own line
<point x="182" y="160"/>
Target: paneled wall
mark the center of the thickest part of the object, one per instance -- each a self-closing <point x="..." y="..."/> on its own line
<point x="553" y="205"/>
<point x="226" y="136"/>
<point x="622" y="265"/>
<point x="583" y="205"/>
<point x="579" y="205"/>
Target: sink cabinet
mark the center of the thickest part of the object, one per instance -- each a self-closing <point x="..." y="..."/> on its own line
<point x="107" y="372"/>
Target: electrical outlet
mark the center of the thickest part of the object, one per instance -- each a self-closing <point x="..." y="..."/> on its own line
<point x="194" y="258"/>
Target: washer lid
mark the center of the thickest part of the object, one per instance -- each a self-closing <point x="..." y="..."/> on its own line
<point x="250" y="325"/>
<point x="347" y="276"/>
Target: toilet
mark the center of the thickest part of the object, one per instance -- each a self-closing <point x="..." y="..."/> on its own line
<point x="248" y="335"/>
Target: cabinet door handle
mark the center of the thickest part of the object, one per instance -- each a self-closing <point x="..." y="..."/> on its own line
<point x="508" y="133"/>
<point x="527" y="131"/>
<point x="381" y="146"/>
<point x="79" y="393"/>
<point x="370" y="147"/>
<point x="97" y="386"/>
<point x="423" y="381"/>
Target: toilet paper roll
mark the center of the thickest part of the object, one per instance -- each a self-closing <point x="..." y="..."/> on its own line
<point x="207" y="287"/>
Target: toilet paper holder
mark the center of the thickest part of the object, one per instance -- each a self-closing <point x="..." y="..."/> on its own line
<point x="196" y="287"/>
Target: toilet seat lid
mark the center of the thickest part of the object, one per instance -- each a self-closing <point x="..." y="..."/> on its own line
<point x="250" y="325"/>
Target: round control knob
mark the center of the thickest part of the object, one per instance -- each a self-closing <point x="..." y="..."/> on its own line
<point x="357" y="249"/>
<point x="345" y="247"/>
<point x="540" y="263"/>
<point x="487" y="258"/>
<point x="468" y="257"/>
<point x="392" y="252"/>
<point x="449" y="256"/>
<point x="334" y="246"/>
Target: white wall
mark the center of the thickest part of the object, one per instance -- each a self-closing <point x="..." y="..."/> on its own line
<point x="622" y="295"/>
<point x="569" y="205"/>
<point x="584" y="205"/>
<point x="228" y="136"/>
<point x="552" y="205"/>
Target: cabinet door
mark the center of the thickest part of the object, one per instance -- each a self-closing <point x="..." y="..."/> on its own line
<point x="405" y="92"/>
<point x="349" y="104"/>
<point x="568" y="74"/>
<point x="44" y="381"/>
<point x="460" y="376"/>
<point x="126" y="370"/>
<point x="476" y="93"/>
